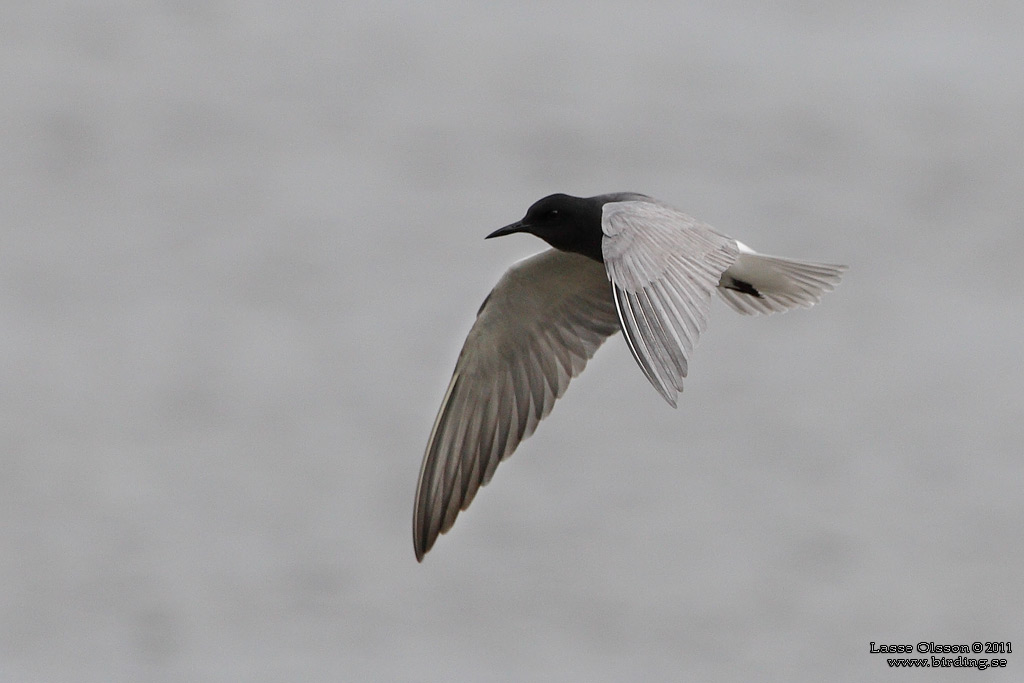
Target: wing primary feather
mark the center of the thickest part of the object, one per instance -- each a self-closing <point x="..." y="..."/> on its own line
<point x="639" y="345"/>
<point x="670" y="321"/>
<point x="654" y="331"/>
<point x="689" y="324"/>
<point x="674" y="326"/>
<point x="629" y="332"/>
<point x="503" y="441"/>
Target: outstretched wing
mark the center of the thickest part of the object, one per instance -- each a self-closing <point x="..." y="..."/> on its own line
<point x="664" y="267"/>
<point x="535" y="331"/>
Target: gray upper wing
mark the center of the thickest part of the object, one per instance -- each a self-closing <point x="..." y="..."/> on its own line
<point x="664" y="267"/>
<point x="536" y="330"/>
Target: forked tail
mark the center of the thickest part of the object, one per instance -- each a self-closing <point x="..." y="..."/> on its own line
<point x="757" y="283"/>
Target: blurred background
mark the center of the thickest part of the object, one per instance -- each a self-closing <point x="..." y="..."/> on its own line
<point x="242" y="244"/>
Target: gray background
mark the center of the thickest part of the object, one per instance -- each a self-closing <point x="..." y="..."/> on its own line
<point x="241" y="246"/>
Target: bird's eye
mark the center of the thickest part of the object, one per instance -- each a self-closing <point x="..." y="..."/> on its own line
<point x="553" y="213"/>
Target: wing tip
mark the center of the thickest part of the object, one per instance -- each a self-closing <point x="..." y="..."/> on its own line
<point x="422" y="543"/>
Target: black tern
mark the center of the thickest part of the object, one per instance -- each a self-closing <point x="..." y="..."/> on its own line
<point x="621" y="261"/>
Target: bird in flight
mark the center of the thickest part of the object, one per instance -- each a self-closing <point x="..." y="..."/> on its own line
<point x="621" y="261"/>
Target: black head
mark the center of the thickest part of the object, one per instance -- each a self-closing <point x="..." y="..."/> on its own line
<point x="565" y="222"/>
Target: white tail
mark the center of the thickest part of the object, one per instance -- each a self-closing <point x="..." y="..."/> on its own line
<point x="756" y="283"/>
